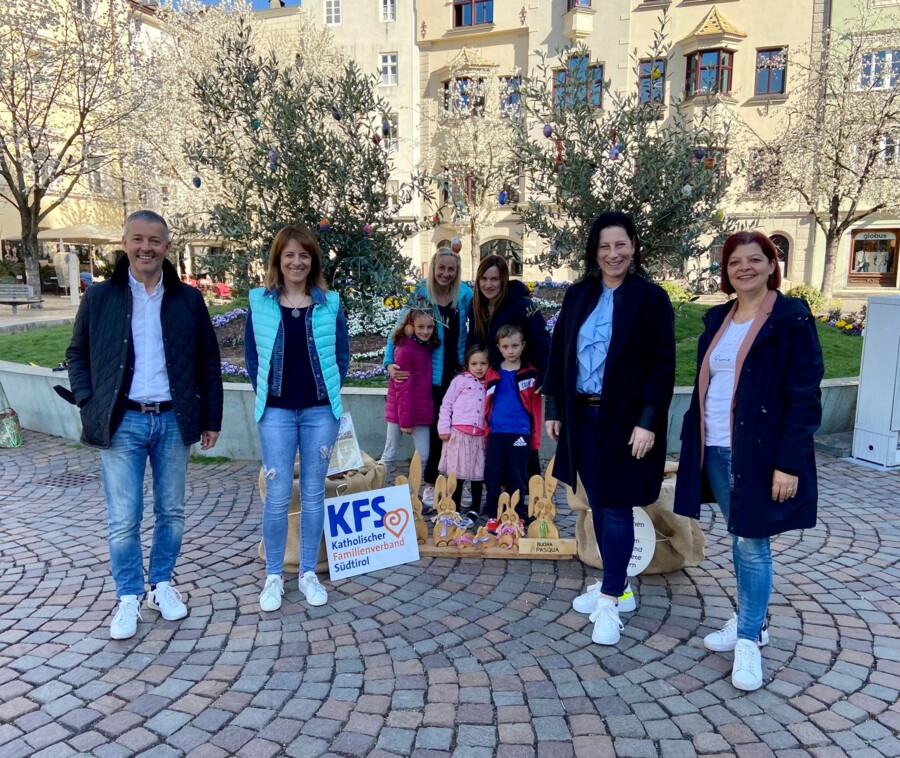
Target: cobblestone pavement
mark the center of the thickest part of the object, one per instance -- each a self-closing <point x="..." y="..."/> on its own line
<point x="437" y="658"/>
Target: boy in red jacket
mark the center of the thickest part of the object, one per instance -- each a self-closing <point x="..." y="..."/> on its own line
<point x="512" y="412"/>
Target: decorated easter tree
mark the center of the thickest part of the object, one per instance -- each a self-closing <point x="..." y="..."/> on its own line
<point x="292" y="142"/>
<point x="638" y="154"/>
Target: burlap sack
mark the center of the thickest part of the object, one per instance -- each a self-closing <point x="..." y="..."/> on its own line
<point x="370" y="477"/>
<point x="679" y="540"/>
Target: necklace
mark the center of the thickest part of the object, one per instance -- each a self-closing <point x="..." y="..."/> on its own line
<point x="296" y="311"/>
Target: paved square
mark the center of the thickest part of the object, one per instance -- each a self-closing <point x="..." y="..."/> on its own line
<point x="442" y="657"/>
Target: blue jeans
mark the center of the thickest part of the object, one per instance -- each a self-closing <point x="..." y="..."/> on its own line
<point x="281" y="431"/>
<point x="139" y="436"/>
<point x="752" y="556"/>
<point x="613" y="527"/>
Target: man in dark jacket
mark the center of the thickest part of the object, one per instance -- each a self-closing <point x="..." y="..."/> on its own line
<point x="145" y="372"/>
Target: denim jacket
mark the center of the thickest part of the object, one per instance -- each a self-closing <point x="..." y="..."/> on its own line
<point x="264" y="344"/>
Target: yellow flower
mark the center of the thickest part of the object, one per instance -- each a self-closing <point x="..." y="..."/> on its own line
<point x="849" y="327"/>
<point x="841" y="324"/>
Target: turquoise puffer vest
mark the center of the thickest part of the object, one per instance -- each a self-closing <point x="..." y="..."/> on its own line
<point x="267" y="328"/>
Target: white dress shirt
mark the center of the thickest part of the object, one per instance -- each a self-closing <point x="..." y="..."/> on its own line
<point x="150" y="383"/>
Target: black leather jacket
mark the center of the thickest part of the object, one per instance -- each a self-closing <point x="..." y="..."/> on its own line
<point x="101" y="357"/>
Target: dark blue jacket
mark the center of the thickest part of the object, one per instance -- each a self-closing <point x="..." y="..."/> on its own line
<point x="517" y="308"/>
<point x="777" y="409"/>
<point x="638" y="381"/>
<point x="101" y="357"/>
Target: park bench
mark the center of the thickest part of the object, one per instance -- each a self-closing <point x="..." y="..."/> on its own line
<point x="16" y="295"/>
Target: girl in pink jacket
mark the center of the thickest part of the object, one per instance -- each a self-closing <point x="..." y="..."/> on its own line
<point x="410" y="407"/>
<point x="461" y="426"/>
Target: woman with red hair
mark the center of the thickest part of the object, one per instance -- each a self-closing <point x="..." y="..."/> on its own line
<point x="747" y="438"/>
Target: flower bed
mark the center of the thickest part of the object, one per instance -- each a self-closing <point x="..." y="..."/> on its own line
<point x="853" y="325"/>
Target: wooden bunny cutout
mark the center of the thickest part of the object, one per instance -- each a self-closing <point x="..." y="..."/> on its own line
<point x="483" y="538"/>
<point x="415" y="479"/>
<point x="446" y="522"/>
<point x="540" y="505"/>
<point x="509" y="530"/>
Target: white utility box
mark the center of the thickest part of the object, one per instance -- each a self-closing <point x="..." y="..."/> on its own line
<point x="876" y="435"/>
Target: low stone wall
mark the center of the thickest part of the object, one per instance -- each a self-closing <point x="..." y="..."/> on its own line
<point x="30" y="392"/>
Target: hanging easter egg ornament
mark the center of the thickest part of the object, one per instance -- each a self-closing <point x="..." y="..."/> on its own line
<point x="655" y="73"/>
<point x="274" y="157"/>
<point x="250" y="77"/>
<point x="336" y="114"/>
<point x="502" y="197"/>
<point x="324" y="225"/>
<point x="255" y="123"/>
<point x="548" y="130"/>
<point x="196" y="182"/>
<point x="376" y="138"/>
<point x="456" y="244"/>
<point x="687" y="189"/>
<point x="699" y="153"/>
<point x="614" y="153"/>
<point x="386" y="128"/>
<point x="367" y="230"/>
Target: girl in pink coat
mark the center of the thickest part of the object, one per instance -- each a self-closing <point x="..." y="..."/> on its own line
<point x="410" y="407"/>
<point x="461" y="426"/>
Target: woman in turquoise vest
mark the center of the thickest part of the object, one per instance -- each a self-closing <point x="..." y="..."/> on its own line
<point x="297" y="352"/>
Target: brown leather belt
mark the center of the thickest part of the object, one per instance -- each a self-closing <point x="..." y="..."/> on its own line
<point x="592" y="401"/>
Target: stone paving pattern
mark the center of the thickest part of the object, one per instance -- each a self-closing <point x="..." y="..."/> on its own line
<point x="441" y="657"/>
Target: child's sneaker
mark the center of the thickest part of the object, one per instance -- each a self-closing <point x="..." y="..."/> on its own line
<point x="465" y="522"/>
<point x="428" y="495"/>
<point x="607" y="625"/>
<point x="746" y="672"/>
<point x="474" y="516"/>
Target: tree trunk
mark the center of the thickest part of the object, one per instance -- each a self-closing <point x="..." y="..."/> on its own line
<point x="831" y="250"/>
<point x="30" y="248"/>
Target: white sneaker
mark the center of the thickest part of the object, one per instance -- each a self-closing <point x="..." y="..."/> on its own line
<point x="746" y="672"/>
<point x="315" y="592"/>
<point x="726" y="638"/>
<point x="124" y="623"/>
<point x="587" y="603"/>
<point x="270" y="597"/>
<point x="428" y="495"/>
<point x="606" y="622"/>
<point x="167" y="600"/>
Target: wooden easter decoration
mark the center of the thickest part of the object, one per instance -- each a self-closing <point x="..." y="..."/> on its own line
<point x="446" y="522"/>
<point x="509" y="530"/>
<point x="483" y="538"/>
<point x="543" y="538"/>
<point x="542" y="508"/>
<point x="415" y="479"/>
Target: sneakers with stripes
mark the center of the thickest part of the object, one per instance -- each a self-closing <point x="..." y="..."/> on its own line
<point x="587" y="603"/>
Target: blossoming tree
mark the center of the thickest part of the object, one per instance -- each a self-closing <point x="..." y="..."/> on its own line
<point x="70" y="78"/>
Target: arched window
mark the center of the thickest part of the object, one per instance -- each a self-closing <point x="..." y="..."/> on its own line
<point x="783" y="246"/>
<point x="505" y="248"/>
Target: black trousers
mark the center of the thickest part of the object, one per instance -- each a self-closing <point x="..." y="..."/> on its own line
<point x="436" y="444"/>
<point x="477" y="489"/>
<point x="506" y="465"/>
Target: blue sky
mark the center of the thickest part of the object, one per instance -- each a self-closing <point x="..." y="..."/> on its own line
<point x="257" y="4"/>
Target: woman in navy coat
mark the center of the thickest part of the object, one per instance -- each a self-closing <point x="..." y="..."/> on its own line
<point x="747" y="438"/>
<point x="607" y="392"/>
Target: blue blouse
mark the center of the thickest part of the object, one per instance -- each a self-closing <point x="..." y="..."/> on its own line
<point x="593" y="345"/>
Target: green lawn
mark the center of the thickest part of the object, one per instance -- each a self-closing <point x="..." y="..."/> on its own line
<point x="47" y="347"/>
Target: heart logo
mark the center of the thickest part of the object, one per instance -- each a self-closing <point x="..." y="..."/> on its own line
<point x="395" y="521"/>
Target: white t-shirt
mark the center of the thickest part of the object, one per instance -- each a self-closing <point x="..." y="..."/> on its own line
<point x="717" y="409"/>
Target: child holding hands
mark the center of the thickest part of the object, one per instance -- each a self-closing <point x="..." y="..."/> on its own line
<point x="410" y="408"/>
<point x="513" y="413"/>
<point x="461" y="427"/>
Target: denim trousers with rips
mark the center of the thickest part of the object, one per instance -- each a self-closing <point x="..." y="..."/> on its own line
<point x="282" y="432"/>
<point x="752" y="556"/>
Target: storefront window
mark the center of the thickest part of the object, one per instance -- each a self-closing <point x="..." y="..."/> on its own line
<point x="873" y="259"/>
